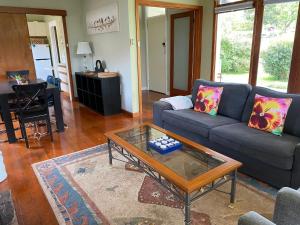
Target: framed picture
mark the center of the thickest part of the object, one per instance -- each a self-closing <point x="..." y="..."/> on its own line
<point x="103" y="20"/>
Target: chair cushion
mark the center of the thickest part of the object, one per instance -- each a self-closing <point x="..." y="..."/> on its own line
<point x="292" y="122"/>
<point x="233" y="98"/>
<point x="277" y="151"/>
<point x="193" y="121"/>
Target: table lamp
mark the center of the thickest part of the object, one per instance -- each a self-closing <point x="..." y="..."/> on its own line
<point x="84" y="48"/>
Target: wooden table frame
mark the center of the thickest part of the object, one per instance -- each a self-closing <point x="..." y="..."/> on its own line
<point x="186" y="191"/>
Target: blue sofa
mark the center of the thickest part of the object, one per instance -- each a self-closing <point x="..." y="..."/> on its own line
<point x="269" y="158"/>
<point x="287" y="210"/>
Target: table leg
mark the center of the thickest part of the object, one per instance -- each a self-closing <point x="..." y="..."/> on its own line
<point x="109" y="151"/>
<point x="9" y="126"/>
<point x="187" y="209"/>
<point x="233" y="186"/>
<point x="58" y="111"/>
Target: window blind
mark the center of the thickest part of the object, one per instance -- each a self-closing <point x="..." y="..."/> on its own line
<point x="234" y="7"/>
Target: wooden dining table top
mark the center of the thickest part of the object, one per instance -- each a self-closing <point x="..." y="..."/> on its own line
<point x="6" y="86"/>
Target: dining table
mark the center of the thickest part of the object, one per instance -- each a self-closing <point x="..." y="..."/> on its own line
<point x="7" y="93"/>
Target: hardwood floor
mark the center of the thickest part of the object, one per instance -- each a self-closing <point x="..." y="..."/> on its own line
<point x="148" y="98"/>
<point x="85" y="129"/>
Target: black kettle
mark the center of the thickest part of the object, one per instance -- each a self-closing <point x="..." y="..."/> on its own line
<point x="99" y="66"/>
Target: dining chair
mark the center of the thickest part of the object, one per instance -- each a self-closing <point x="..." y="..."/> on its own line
<point x="12" y="110"/>
<point x="32" y="106"/>
<point x="57" y="83"/>
<point x="3" y="131"/>
<point x="11" y="75"/>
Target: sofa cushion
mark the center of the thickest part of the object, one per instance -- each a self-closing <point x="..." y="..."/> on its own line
<point x="193" y="121"/>
<point x="233" y="99"/>
<point x="208" y="99"/>
<point x="269" y="114"/>
<point x="292" y="122"/>
<point x="277" y="151"/>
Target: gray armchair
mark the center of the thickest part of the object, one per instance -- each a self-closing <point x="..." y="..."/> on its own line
<point x="287" y="210"/>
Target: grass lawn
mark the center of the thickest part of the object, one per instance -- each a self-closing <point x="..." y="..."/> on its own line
<point x="265" y="81"/>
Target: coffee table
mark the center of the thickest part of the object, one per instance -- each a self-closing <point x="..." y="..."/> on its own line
<point x="189" y="172"/>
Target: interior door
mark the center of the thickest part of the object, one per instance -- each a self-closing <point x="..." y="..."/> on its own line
<point x="15" y="52"/>
<point x="157" y="53"/>
<point x="181" y="59"/>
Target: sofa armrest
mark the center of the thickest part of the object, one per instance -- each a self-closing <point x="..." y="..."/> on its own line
<point x="158" y="108"/>
<point x="253" y="218"/>
<point x="287" y="207"/>
<point x="295" y="182"/>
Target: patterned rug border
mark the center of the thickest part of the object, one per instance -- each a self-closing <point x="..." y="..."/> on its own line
<point x="60" y="160"/>
<point x="80" y="155"/>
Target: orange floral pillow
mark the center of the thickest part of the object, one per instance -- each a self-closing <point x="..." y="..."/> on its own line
<point x="208" y="99"/>
<point x="269" y="114"/>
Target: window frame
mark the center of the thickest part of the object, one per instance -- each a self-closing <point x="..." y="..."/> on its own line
<point x="258" y="5"/>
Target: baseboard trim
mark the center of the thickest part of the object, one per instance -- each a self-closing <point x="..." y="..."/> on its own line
<point x="157" y="92"/>
<point x="130" y="114"/>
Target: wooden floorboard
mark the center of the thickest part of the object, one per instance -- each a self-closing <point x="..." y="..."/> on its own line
<point x="86" y="129"/>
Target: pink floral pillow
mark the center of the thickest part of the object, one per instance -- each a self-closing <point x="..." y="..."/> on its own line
<point x="208" y="99"/>
<point x="269" y="114"/>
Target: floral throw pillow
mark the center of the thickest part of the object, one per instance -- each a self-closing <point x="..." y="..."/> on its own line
<point x="269" y="114"/>
<point x="208" y="99"/>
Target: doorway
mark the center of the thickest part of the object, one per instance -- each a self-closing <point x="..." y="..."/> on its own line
<point x="48" y="46"/>
<point x="165" y="65"/>
<point x="182" y="45"/>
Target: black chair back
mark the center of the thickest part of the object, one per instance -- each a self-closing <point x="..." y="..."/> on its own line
<point x="31" y="99"/>
<point x="12" y="74"/>
<point x="57" y="83"/>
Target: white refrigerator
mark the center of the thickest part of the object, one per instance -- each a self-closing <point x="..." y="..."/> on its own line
<point x="42" y="60"/>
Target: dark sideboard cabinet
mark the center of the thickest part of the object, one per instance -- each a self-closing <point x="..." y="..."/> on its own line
<point x="100" y="94"/>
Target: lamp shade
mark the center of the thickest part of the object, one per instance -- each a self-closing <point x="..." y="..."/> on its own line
<point x="84" y="48"/>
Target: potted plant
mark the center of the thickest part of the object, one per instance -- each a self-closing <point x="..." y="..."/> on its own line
<point x="20" y="79"/>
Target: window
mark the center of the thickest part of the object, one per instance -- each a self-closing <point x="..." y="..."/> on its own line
<point x="270" y="52"/>
<point x="233" y="47"/>
<point x="277" y="40"/>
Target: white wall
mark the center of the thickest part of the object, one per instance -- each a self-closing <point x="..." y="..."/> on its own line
<point x="114" y="48"/>
<point x="74" y="20"/>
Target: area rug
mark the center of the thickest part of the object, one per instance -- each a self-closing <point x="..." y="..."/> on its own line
<point x="7" y="209"/>
<point x="82" y="188"/>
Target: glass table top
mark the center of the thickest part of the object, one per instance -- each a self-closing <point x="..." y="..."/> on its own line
<point x="187" y="162"/>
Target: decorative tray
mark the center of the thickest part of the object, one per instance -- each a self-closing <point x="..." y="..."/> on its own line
<point x="165" y="145"/>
